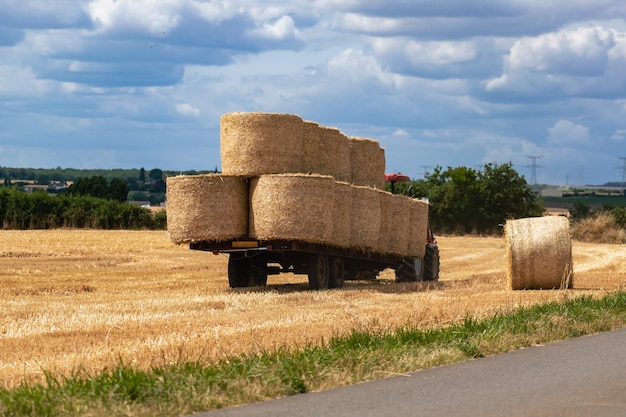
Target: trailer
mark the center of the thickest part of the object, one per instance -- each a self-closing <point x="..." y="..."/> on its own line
<point x="250" y="262"/>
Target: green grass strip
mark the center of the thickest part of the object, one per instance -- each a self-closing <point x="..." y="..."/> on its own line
<point x="188" y="387"/>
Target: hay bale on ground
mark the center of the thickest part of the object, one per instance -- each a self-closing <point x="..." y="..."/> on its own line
<point x="418" y="229"/>
<point x="367" y="161"/>
<point x="293" y="207"/>
<point x="206" y="207"/>
<point x="395" y="213"/>
<point x="342" y="214"/>
<point x="253" y="144"/>
<point x="539" y="253"/>
<point x="365" y="222"/>
<point x="334" y="154"/>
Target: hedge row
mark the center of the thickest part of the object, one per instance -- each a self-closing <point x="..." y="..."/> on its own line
<point x="40" y="210"/>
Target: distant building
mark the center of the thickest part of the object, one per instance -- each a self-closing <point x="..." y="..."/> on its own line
<point x="551" y="192"/>
<point x="34" y="187"/>
<point x="144" y="204"/>
<point x="54" y="187"/>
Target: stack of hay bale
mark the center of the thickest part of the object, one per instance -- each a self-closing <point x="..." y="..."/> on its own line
<point x="289" y="179"/>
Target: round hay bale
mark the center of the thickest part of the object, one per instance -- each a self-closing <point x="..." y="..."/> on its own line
<point x="206" y="207"/>
<point x="292" y="207"/>
<point x="418" y="229"/>
<point x="311" y="147"/>
<point x="367" y="161"/>
<point x="395" y="214"/>
<point x="539" y="253"/>
<point x="342" y="214"/>
<point x="334" y="154"/>
<point x="365" y="222"/>
<point x="253" y="144"/>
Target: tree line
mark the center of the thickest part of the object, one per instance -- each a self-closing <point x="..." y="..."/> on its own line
<point x="466" y="200"/>
<point x="40" y="210"/>
<point x="45" y="175"/>
<point x="143" y="185"/>
<point x="462" y="200"/>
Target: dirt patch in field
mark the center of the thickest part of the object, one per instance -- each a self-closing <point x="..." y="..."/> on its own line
<point x="83" y="299"/>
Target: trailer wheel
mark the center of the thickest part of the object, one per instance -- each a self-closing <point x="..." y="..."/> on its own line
<point x="318" y="271"/>
<point x="238" y="271"/>
<point x="258" y="274"/>
<point x="337" y="272"/>
<point x="431" y="263"/>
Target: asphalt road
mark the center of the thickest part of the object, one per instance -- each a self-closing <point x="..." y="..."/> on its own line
<point x="579" y="377"/>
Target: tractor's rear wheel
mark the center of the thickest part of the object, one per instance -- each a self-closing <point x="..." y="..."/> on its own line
<point x="318" y="272"/>
<point x="238" y="271"/>
<point x="431" y="263"/>
<point x="410" y="270"/>
<point x="415" y="269"/>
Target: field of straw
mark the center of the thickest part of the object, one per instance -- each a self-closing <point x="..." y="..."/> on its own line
<point x="82" y="300"/>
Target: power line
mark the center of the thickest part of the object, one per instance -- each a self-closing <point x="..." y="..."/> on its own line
<point x="533" y="167"/>
<point x="623" y="168"/>
<point x="580" y="172"/>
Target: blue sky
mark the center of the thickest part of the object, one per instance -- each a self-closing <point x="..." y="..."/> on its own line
<point x="142" y="83"/>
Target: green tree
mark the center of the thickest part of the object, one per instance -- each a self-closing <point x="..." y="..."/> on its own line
<point x="142" y="175"/>
<point x="505" y="195"/>
<point x="94" y="186"/>
<point x="118" y="190"/>
<point x="454" y="199"/>
<point x="43" y="179"/>
<point x="158" y="186"/>
<point x="156" y="174"/>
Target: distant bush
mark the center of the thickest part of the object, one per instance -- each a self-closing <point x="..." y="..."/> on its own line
<point x="600" y="228"/>
<point x="579" y="211"/>
<point x="603" y="226"/>
<point x="39" y="210"/>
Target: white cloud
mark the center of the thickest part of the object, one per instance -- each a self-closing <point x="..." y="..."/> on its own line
<point x="356" y="66"/>
<point x="16" y="81"/>
<point x="283" y="28"/>
<point x="566" y="133"/>
<point x="155" y="16"/>
<point x="583" y="51"/>
<point x="588" y="62"/>
<point x="619" y="135"/>
<point x="187" y="109"/>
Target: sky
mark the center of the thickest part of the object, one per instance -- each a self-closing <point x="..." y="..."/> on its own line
<point x="103" y="84"/>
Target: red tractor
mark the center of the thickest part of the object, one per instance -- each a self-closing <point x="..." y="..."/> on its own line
<point x="417" y="269"/>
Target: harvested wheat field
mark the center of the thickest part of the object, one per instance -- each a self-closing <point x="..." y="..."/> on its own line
<point x="81" y="300"/>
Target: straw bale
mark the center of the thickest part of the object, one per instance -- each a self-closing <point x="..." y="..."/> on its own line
<point x="334" y="154"/>
<point x="539" y="253"/>
<point x="367" y="161"/>
<point x="418" y="229"/>
<point x="365" y="222"/>
<point x="253" y="144"/>
<point x="206" y="207"/>
<point x="342" y="214"/>
<point x="395" y="215"/>
<point x="293" y="207"/>
<point x="311" y="147"/>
